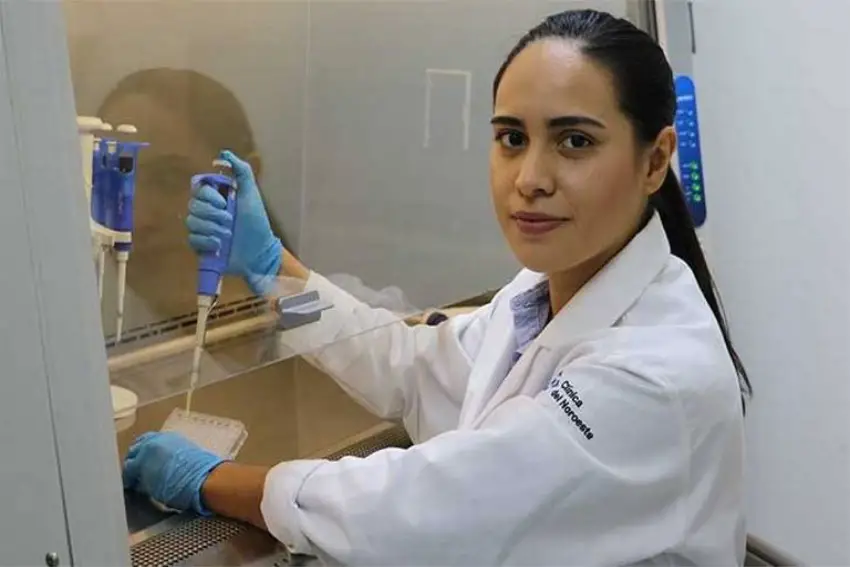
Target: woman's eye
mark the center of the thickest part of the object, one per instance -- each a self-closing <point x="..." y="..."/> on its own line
<point x="576" y="142"/>
<point x="511" y="139"/>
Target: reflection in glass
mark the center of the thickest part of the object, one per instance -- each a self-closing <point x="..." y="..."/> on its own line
<point x="187" y="118"/>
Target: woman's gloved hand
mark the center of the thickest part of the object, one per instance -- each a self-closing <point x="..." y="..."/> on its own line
<point x="256" y="252"/>
<point x="170" y="469"/>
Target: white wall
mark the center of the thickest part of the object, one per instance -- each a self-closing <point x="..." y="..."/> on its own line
<point x="774" y="87"/>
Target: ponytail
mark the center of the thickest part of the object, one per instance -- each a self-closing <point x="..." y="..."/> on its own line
<point x="670" y="203"/>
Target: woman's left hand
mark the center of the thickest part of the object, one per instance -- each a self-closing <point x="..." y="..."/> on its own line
<point x="170" y="469"/>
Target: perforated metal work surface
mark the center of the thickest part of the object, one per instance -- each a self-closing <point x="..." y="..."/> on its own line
<point x="217" y="542"/>
<point x="175" y="546"/>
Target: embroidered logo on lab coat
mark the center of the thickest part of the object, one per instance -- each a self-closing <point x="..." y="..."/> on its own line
<point x="568" y="398"/>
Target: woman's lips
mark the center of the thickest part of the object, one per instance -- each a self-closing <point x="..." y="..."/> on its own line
<point x="535" y="224"/>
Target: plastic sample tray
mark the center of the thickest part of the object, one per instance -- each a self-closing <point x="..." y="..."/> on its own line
<point x="219" y="435"/>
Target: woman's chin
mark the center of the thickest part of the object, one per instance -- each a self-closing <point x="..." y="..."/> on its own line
<point x="534" y="258"/>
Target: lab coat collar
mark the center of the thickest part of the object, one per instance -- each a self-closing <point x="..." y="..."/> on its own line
<point x="598" y="305"/>
<point x="608" y="295"/>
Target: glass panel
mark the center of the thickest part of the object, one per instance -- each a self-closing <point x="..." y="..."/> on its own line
<point x="398" y="135"/>
<point x="367" y="127"/>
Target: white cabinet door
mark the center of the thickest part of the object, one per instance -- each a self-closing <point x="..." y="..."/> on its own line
<point x="60" y="489"/>
<point x="32" y="517"/>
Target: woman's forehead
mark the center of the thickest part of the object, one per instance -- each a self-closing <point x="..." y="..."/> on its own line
<point x="553" y="78"/>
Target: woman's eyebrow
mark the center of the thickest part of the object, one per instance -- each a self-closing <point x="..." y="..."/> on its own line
<point x="557" y="122"/>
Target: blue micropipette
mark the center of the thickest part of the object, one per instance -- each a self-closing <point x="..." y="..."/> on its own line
<point x="212" y="266"/>
<point x="113" y="195"/>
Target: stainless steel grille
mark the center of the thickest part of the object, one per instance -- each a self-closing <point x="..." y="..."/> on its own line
<point x="393" y="437"/>
<point x="179" y="544"/>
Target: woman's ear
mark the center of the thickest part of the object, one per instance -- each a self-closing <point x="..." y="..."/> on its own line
<point x="660" y="157"/>
<point x="256" y="163"/>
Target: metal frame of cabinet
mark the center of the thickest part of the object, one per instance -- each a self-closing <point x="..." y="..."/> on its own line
<point x="60" y="480"/>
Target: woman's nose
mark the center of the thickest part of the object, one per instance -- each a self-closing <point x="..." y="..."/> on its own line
<point x="535" y="178"/>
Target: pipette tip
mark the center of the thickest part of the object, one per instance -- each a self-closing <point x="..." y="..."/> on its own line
<point x="101" y="268"/>
<point x="122" y="258"/>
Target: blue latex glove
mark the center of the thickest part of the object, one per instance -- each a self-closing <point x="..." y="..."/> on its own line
<point x="256" y="252"/>
<point x="170" y="469"/>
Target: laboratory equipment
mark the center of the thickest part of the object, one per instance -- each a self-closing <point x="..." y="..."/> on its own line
<point x="103" y="238"/>
<point x="219" y="435"/>
<point x="112" y="203"/>
<point x="212" y="266"/>
<point x="87" y="127"/>
<point x="690" y="155"/>
<point x="256" y="252"/>
<point x="124" y="403"/>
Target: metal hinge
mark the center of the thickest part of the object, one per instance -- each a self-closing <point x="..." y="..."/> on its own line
<point x="301" y="309"/>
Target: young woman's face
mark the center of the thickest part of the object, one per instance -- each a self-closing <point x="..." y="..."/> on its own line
<point x="568" y="180"/>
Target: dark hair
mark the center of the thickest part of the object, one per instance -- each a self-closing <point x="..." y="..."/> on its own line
<point x="643" y="80"/>
<point x="199" y="97"/>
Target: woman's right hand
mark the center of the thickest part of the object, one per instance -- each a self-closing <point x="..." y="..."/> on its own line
<point x="256" y="253"/>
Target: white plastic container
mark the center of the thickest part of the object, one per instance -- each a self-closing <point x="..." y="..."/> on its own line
<point x="221" y="436"/>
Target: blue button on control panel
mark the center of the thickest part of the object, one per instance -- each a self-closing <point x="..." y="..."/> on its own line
<point x="690" y="156"/>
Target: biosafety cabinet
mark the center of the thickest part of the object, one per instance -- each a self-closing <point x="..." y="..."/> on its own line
<point x="367" y="126"/>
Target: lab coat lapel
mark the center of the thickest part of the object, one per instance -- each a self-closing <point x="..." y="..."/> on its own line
<point x="598" y="305"/>
<point x="615" y="288"/>
<point x="527" y="377"/>
<point x="492" y="363"/>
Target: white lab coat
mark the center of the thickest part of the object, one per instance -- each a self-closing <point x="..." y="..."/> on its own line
<point x="616" y="439"/>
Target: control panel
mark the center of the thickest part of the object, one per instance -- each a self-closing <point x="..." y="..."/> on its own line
<point x="690" y="156"/>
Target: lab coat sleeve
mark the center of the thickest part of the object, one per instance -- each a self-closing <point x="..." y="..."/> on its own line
<point x="397" y="371"/>
<point x="588" y="472"/>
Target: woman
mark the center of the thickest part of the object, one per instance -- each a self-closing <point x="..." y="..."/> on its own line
<point x="590" y="415"/>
